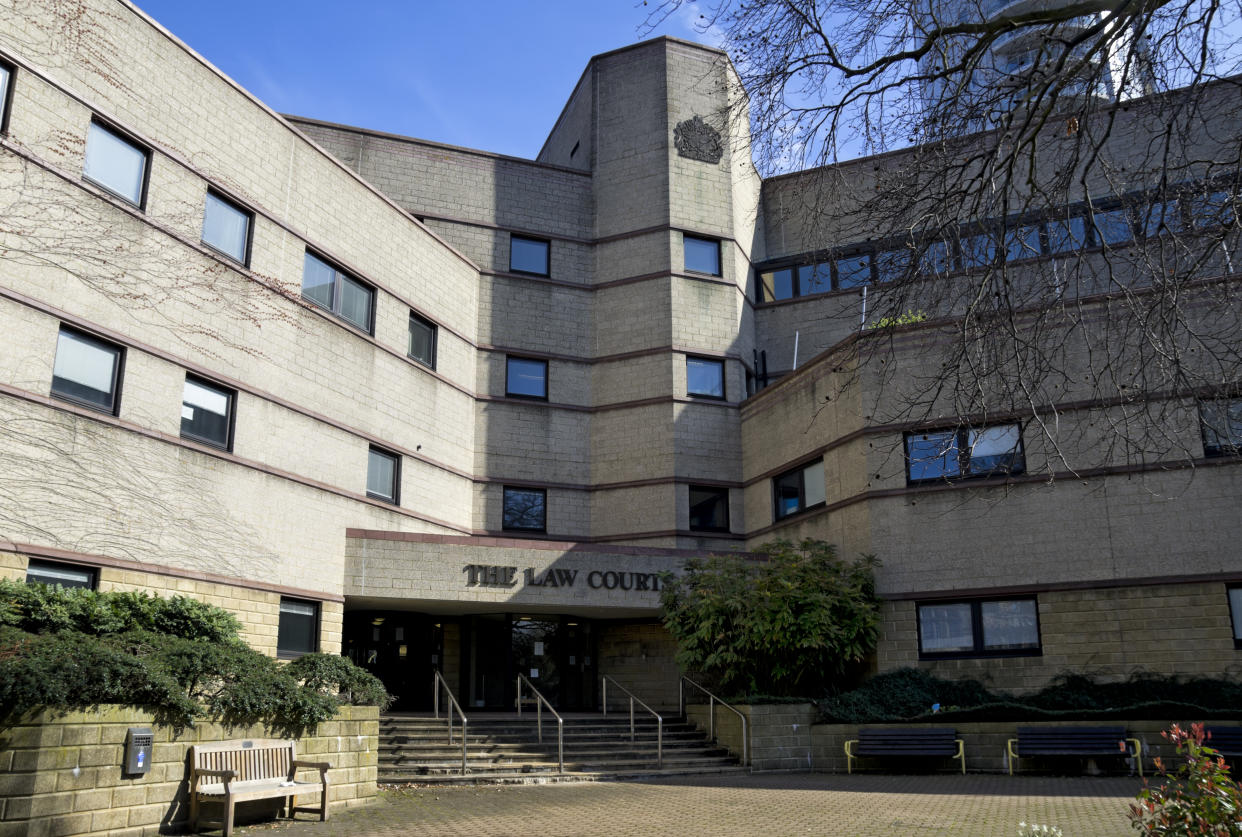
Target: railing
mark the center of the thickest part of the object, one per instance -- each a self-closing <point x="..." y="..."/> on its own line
<point x="633" y="700"/>
<point x="712" y="700"/>
<point x="437" y="683"/>
<point x="540" y="702"/>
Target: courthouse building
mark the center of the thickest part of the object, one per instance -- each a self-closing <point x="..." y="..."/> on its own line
<point x="439" y="408"/>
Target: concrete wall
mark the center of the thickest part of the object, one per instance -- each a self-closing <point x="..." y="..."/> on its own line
<point x="778" y="735"/>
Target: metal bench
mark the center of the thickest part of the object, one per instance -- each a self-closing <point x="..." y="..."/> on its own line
<point x="938" y="742"/>
<point x="229" y="772"/>
<point x="1073" y="741"/>
<point x="1225" y="740"/>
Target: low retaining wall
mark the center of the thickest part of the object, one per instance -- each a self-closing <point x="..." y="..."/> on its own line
<point x="60" y="774"/>
<point x="780" y="733"/>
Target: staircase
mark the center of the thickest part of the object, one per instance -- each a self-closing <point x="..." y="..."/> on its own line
<point x="505" y="749"/>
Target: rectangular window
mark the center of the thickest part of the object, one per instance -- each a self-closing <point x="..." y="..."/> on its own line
<point x="298" y="633"/>
<point x="6" y="95"/>
<point x="528" y="255"/>
<point x="1160" y="218"/>
<point x="526" y="377"/>
<point x="1112" y="227"/>
<point x="525" y="509"/>
<point x="1022" y="242"/>
<point x="777" y="284"/>
<point x="1067" y="234"/>
<point x="814" y="278"/>
<point x="116" y="163"/>
<point x="1001" y="628"/>
<point x="207" y="413"/>
<point x="1222" y="427"/>
<point x="1210" y="210"/>
<point x="799" y="489"/>
<point x="853" y="271"/>
<point x="1235" y="614"/>
<point x="964" y="452"/>
<point x="892" y="265"/>
<point x="383" y="475"/>
<point x="338" y="292"/>
<point x="978" y="250"/>
<point x="226" y="228"/>
<point x="709" y="509"/>
<point x="705" y="378"/>
<point x="65" y="575"/>
<point x="87" y="371"/>
<point x="422" y="341"/>
<point x="702" y="255"/>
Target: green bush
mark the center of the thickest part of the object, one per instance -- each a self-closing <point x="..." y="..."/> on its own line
<point x="339" y="678"/>
<point x="786" y="623"/>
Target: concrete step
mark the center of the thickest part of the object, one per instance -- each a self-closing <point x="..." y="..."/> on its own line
<point x="519" y="778"/>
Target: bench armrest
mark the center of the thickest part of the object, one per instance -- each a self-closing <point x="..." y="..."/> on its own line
<point x="226" y="775"/>
<point x="1138" y="754"/>
<point x="961" y="753"/>
<point x="322" y="766"/>
<point x="849" y="755"/>
<point x="1013" y="756"/>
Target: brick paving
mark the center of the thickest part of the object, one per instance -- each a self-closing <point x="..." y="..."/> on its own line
<point x="763" y="805"/>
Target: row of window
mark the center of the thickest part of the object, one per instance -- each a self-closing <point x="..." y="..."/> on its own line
<point x="1082" y="227"/>
<point x="525" y="509"/>
<point x="297" y="634"/>
<point x="528" y="377"/>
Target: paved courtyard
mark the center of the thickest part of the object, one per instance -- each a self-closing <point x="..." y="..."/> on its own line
<point x="765" y="805"/>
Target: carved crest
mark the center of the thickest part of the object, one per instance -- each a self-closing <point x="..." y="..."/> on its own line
<point x="697" y="140"/>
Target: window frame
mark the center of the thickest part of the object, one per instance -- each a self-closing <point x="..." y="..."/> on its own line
<point x="509" y="393"/>
<point x="91" y="572"/>
<point x="1235" y="612"/>
<point x="721" y="494"/>
<point x="339" y="275"/>
<point x="547" y="253"/>
<point x="395" y="499"/>
<point x="720" y="365"/>
<point x="719" y="271"/>
<point x="118" y="370"/>
<point x="504" y="502"/>
<point x="803" y="506"/>
<point x="962" y="445"/>
<point x="430" y="363"/>
<point x="240" y="208"/>
<point x="317" y="617"/>
<point x="7" y="90"/>
<point x="128" y="139"/>
<point x="1220" y="450"/>
<point x="976" y="630"/>
<point x="230" y="418"/>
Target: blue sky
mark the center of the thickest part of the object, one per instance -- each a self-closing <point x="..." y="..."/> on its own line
<point x="489" y="75"/>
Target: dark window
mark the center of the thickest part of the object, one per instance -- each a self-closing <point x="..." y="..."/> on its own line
<point x="299" y="628"/>
<point x="422" y="341"/>
<point x="6" y="95"/>
<point x="116" y="163"/>
<point x="1235" y="614"/>
<point x="226" y="227"/>
<point x="709" y="509"/>
<point x="525" y="509"/>
<point x="705" y="377"/>
<point x="528" y="255"/>
<point x="1000" y="628"/>
<point x="964" y="452"/>
<point x="799" y="489"/>
<point x="87" y="371"/>
<point x="1222" y="427"/>
<point x="337" y="291"/>
<point x="383" y="475"/>
<point x="526" y="377"/>
<point x="65" y="575"/>
<point x="702" y="255"/>
<point x="207" y="412"/>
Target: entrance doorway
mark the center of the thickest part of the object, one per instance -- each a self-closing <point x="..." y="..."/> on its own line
<point x="556" y="653"/>
<point x="402" y="649"/>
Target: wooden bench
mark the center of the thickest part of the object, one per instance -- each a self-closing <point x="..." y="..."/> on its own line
<point x="229" y="772"/>
<point x="940" y="742"/>
<point x="1073" y="741"/>
<point x="1225" y="740"/>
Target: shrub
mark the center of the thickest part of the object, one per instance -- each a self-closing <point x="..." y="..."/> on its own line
<point x="784" y="624"/>
<point x="338" y="677"/>
<point x="1200" y="798"/>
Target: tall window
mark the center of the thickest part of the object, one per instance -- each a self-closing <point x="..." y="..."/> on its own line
<point x="525" y="509"/>
<point x="528" y="255"/>
<point x="705" y="377"/>
<point x="709" y="509"/>
<point x="799" y="489"/>
<point x="1235" y="612"/>
<point x="422" y="341"/>
<point x="87" y="371"/>
<point x="226" y="228"/>
<point x="1222" y="427"/>
<point x="116" y="163"/>
<point x="526" y="377"/>
<point x="964" y="452"/>
<point x="383" y="475"/>
<point x="6" y="95"/>
<point x="66" y="575"/>
<point x="702" y="255"/>
<point x="979" y="628"/>
<point x="207" y="412"/>
<point x="298" y="632"/>
<point x="338" y="292"/>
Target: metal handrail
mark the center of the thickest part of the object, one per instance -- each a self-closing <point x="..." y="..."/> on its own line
<point x="712" y="700"/>
<point x="540" y="702"/>
<point x="438" y="681"/>
<point x="659" y="721"/>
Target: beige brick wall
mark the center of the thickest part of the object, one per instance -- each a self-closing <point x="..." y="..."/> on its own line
<point x="778" y="736"/>
<point x="62" y="773"/>
<point x="640" y="657"/>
